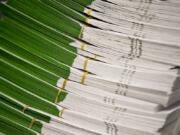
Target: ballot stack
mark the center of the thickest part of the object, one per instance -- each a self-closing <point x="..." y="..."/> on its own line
<point x="90" y="67"/>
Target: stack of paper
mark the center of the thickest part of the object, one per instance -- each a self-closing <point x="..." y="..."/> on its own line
<point x="90" y="67"/>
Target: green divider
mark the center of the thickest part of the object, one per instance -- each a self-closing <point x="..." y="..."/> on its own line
<point x="16" y="116"/>
<point x="31" y="69"/>
<point x="72" y="4"/>
<point x="48" y="16"/>
<point x="57" y="70"/>
<point x="23" y="95"/>
<point x="33" y="42"/>
<point x="49" y="32"/>
<point x="84" y="2"/>
<point x="65" y="9"/>
<point x="29" y="82"/>
<point x="41" y="115"/>
<point x="9" y="127"/>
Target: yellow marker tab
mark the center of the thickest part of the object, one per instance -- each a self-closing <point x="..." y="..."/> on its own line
<point x="25" y="107"/>
<point x="85" y="64"/>
<point x="64" y="84"/>
<point x="81" y="32"/>
<point x="84" y="76"/>
<point x="61" y="112"/>
<point x="32" y="122"/>
<point x="89" y="12"/>
<point x="83" y="46"/>
<point x="88" y="20"/>
<point x="95" y="56"/>
<point x="56" y="99"/>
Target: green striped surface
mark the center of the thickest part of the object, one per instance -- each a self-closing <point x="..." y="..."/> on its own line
<point x="9" y="127"/>
<point x="64" y="9"/>
<point x="19" y="117"/>
<point x="31" y="41"/>
<point x="39" y="26"/>
<point x="49" y="16"/>
<point x="25" y="96"/>
<point x="27" y="109"/>
<point x="35" y="53"/>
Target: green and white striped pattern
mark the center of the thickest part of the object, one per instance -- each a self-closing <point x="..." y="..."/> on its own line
<point x="89" y="67"/>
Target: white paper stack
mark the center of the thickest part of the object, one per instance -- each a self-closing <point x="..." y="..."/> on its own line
<point x="132" y="86"/>
<point x="136" y="91"/>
